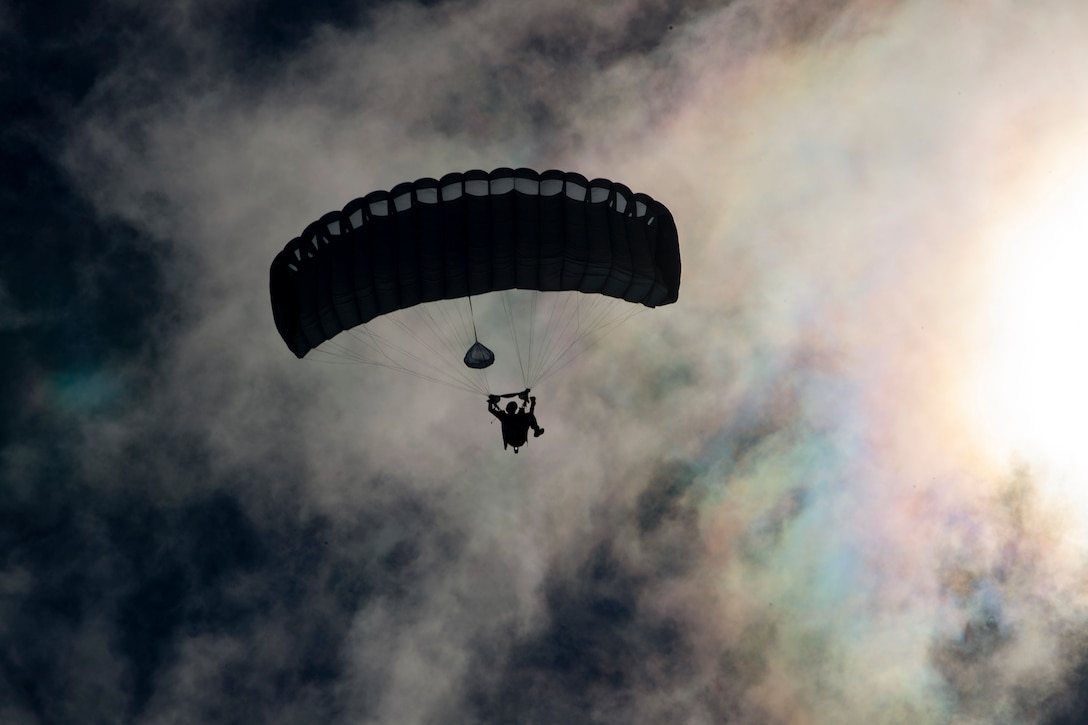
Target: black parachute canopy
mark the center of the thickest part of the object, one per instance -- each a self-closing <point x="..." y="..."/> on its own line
<point x="469" y="234"/>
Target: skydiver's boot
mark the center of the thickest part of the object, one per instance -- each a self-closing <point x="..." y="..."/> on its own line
<point x="537" y="432"/>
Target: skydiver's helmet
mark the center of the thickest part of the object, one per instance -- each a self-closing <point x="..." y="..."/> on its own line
<point x="511" y="407"/>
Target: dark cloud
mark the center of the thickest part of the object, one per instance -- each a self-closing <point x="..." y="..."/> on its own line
<point x="984" y="593"/>
<point x="766" y="530"/>
<point x="79" y="291"/>
<point x="603" y="650"/>
<point x="1070" y="706"/>
<point x="594" y="652"/>
<point x="157" y="578"/>
<point x="662" y="500"/>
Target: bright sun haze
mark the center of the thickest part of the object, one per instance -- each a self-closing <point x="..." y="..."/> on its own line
<point x="1033" y="386"/>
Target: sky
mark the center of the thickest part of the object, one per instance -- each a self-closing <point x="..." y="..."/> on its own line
<point x="839" y="481"/>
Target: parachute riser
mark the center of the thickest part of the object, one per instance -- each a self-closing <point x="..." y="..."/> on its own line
<point x="523" y="394"/>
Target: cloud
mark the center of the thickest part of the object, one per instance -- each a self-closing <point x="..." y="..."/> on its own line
<point x="11" y="317"/>
<point x="764" y="504"/>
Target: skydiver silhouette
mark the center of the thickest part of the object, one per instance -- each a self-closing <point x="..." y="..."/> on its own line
<point x="515" y="423"/>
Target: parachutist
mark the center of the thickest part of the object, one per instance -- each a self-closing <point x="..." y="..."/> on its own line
<point x="515" y="423"/>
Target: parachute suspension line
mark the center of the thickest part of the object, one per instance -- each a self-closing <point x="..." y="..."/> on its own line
<point x="409" y="331"/>
<point x="462" y="329"/>
<point x="532" y="326"/>
<point x="472" y="315"/>
<point x="412" y="333"/>
<point x="466" y="324"/>
<point x="560" y="347"/>
<point x="558" y="330"/>
<point x="476" y="338"/>
<point x="546" y="339"/>
<point x="359" y="356"/>
<point x="441" y="330"/>
<point x="379" y="344"/>
<point x="399" y="369"/>
<point x="442" y="334"/>
<point x="456" y="344"/>
<point x="602" y="329"/>
<point x="460" y="334"/>
<point x="455" y="334"/>
<point x="434" y="332"/>
<point x="442" y="322"/>
<point x="597" y="315"/>
<point x="487" y="384"/>
<point x="514" y="333"/>
<point x="550" y="331"/>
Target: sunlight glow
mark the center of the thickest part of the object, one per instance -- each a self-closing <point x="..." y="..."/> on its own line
<point x="1033" y="390"/>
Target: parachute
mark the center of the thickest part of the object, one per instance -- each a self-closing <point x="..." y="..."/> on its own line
<point x="425" y="254"/>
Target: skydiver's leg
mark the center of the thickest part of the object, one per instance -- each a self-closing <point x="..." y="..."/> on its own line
<point x="537" y="430"/>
